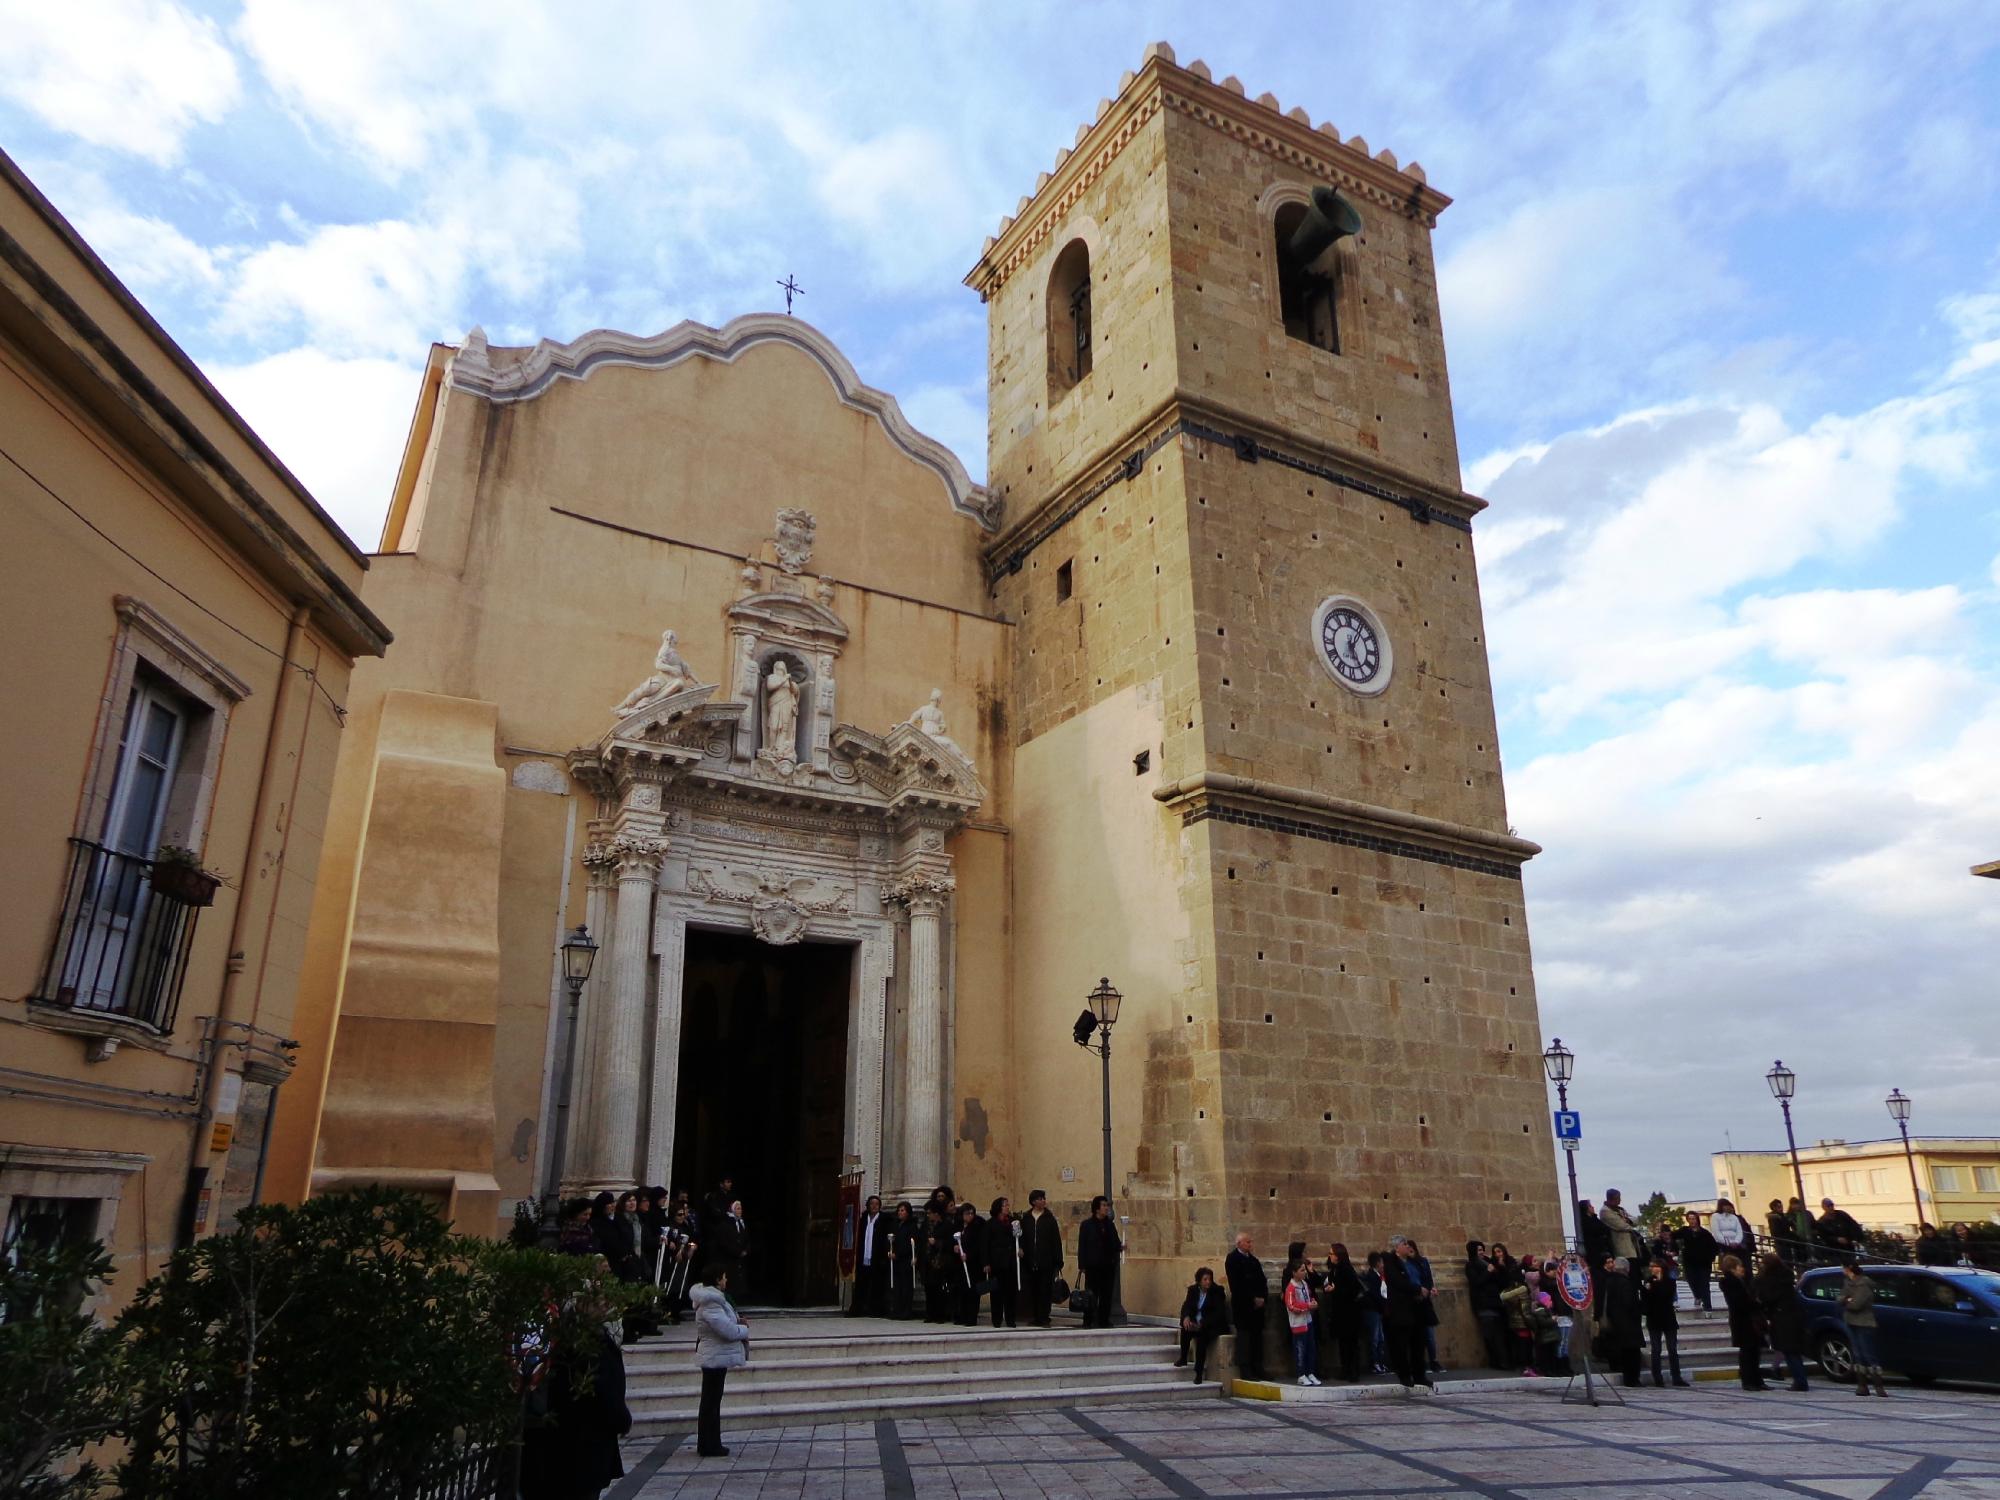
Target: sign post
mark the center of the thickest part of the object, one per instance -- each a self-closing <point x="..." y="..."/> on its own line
<point x="1569" y="1133"/>
<point x="1575" y="1285"/>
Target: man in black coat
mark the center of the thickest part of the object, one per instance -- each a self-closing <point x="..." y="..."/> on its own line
<point x="1097" y="1250"/>
<point x="871" y="1263"/>
<point x="1041" y="1255"/>
<point x="1248" y="1291"/>
<point x="1406" y="1315"/>
<point x="1482" y="1286"/>
<point x="715" y="1206"/>
<point x="1839" y="1234"/>
<point x="1698" y="1252"/>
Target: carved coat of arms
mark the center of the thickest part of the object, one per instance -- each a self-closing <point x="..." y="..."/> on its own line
<point x="780" y="906"/>
<point x="793" y="542"/>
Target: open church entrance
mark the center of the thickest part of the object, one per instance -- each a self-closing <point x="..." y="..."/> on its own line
<point x="763" y="1071"/>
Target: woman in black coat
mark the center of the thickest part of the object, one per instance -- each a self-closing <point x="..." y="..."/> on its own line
<point x="937" y="1262"/>
<point x="968" y="1254"/>
<point x="1204" y="1319"/>
<point x="1777" y="1295"/>
<point x="906" y="1261"/>
<point x="1340" y="1301"/>
<point x="1744" y="1332"/>
<point x="1619" y="1330"/>
<point x="1001" y="1263"/>
<point x="569" y="1449"/>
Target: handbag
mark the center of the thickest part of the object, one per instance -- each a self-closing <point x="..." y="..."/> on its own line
<point x="1059" y="1290"/>
<point x="1081" y="1300"/>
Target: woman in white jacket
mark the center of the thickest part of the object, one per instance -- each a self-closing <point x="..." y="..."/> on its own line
<point x="722" y="1344"/>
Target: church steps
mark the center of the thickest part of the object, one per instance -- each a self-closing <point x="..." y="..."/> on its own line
<point x="861" y="1406"/>
<point x="887" y="1370"/>
<point x="879" y="1383"/>
<point x="942" y="1362"/>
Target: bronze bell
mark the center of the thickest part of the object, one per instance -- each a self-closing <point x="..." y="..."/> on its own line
<point x="1330" y="218"/>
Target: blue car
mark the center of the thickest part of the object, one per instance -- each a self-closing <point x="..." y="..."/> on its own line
<point x="1932" y="1322"/>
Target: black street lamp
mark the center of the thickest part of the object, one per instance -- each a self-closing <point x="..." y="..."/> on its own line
<point x="579" y="952"/>
<point x="1899" y="1111"/>
<point x="1784" y="1083"/>
<point x="1560" y="1063"/>
<point x="1099" y="1018"/>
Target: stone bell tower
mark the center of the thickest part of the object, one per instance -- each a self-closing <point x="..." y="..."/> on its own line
<point x="1250" y="671"/>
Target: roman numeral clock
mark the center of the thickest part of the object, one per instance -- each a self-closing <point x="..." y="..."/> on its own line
<point x="1352" y="645"/>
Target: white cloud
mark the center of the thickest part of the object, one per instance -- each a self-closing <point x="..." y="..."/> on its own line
<point x="134" y="75"/>
<point x="147" y="253"/>
<point x="1608" y="589"/>
<point x="338" y="424"/>
<point x="387" y="288"/>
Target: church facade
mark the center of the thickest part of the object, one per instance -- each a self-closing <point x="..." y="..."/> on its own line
<point x="862" y="775"/>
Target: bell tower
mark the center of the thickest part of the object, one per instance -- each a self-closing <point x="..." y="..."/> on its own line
<point x="1256" y="772"/>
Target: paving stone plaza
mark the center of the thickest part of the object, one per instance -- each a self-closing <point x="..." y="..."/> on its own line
<point x="1712" y="1442"/>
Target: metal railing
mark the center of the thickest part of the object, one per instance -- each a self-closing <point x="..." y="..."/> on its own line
<point x="122" y="944"/>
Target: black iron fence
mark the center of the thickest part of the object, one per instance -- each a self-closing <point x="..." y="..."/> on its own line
<point x="121" y="948"/>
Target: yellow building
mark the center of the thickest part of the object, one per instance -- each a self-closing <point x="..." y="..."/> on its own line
<point x="1958" y="1177"/>
<point x="863" y="775"/>
<point x="181" y="620"/>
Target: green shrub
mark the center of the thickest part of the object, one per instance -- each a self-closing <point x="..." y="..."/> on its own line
<point x="61" y="1381"/>
<point x="345" y="1347"/>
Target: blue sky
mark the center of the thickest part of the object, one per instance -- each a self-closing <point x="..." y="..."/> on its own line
<point x="1722" y="299"/>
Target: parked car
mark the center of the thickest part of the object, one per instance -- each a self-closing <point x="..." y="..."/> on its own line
<point x="1931" y="1322"/>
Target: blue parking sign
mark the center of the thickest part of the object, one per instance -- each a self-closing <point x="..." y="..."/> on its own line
<point x="1569" y="1125"/>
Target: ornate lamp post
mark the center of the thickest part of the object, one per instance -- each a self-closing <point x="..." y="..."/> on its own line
<point x="1560" y="1063"/>
<point x="579" y="952"/>
<point x="1899" y="1111"/>
<point x="1784" y="1082"/>
<point x="1099" y="1018"/>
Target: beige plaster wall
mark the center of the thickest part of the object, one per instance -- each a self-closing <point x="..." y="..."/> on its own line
<point x="551" y="619"/>
<point x="93" y="508"/>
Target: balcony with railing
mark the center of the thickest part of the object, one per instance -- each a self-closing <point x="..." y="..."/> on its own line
<point x="127" y="927"/>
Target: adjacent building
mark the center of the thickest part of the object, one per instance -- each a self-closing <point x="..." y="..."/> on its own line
<point x="181" y="620"/>
<point x="1942" y="1180"/>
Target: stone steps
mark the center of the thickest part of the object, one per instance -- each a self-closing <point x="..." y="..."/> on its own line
<point x="807" y="1374"/>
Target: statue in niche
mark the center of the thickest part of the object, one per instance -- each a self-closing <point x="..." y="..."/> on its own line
<point x="670" y="675"/>
<point x="929" y="717"/>
<point x="781" y="711"/>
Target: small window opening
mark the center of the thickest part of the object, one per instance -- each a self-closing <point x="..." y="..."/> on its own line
<point x="1142" y="763"/>
<point x="1065" y="583"/>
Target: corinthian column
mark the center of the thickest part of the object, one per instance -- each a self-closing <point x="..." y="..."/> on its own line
<point x="621" y="1022"/>
<point x="923" y="1072"/>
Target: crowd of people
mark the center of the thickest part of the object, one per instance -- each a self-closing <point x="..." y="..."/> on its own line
<point x="1349" y="1318"/>
<point x="1008" y="1263"/>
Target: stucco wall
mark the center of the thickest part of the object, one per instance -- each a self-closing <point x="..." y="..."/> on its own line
<point x="672" y="477"/>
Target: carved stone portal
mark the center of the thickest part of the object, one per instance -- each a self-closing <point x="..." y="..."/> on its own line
<point x="758" y="811"/>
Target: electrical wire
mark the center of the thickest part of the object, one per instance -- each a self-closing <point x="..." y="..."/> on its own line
<point x="310" y="674"/>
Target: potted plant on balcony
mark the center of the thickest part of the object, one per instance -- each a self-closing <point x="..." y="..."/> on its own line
<point x="178" y="875"/>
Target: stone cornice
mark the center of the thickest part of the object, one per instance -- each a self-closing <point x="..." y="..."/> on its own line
<point x="473" y="371"/>
<point x="1359" y="818"/>
<point x="1204" y="419"/>
<point x="1161" y="84"/>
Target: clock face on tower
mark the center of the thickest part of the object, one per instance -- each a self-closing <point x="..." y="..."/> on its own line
<point x="1352" y="645"/>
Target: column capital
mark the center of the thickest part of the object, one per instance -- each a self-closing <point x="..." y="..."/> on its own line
<point x="637" y="856"/>
<point x="923" y="895"/>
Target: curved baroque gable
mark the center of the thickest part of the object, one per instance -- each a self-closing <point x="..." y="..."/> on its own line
<point x="473" y="371"/>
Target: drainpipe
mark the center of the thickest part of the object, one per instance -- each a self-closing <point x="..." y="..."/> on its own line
<point x="239" y="925"/>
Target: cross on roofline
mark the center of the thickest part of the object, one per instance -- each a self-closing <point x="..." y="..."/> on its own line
<point x="792" y="289"/>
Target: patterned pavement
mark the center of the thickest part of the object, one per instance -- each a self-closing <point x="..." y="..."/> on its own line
<point x="1716" y="1443"/>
